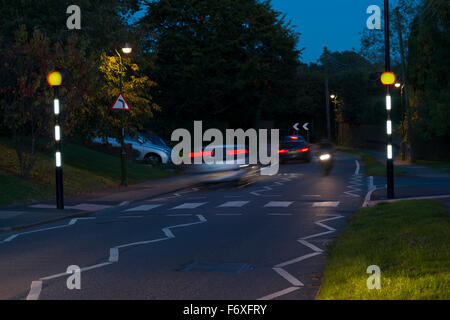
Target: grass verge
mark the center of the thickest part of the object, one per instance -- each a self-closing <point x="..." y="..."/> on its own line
<point x="372" y="166"/>
<point x="85" y="170"/>
<point x="408" y="240"/>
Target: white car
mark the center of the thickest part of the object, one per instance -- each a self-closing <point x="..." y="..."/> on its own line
<point x="145" y="149"/>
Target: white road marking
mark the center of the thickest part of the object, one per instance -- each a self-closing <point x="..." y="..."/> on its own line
<point x="279" y="214"/>
<point x="179" y="215"/>
<point x="233" y="204"/>
<point x="35" y="291"/>
<point x="312" y="195"/>
<point x="280" y="293"/>
<point x="331" y="204"/>
<point x="73" y="221"/>
<point x="310" y="245"/>
<point x="289" y="277"/>
<point x="357" y="167"/>
<point x="278" y="204"/>
<point x="124" y="203"/>
<point x="189" y="205"/>
<point x="298" y="259"/>
<point x="125" y="217"/>
<point x="36" y="286"/>
<point x="145" y="207"/>
<point x="229" y="214"/>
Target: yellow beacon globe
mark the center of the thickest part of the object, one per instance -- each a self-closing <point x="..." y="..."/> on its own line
<point x="388" y="78"/>
<point x="54" y="78"/>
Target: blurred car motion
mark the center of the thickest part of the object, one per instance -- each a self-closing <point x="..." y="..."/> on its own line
<point x="231" y="165"/>
<point x="294" y="148"/>
<point x="149" y="148"/>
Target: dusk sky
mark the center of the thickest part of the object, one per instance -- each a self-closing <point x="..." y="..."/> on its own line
<point x="332" y="23"/>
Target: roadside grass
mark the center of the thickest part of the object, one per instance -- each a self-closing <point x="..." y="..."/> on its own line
<point x="372" y="166"/>
<point x="85" y="170"/>
<point x="445" y="165"/>
<point x="408" y="240"/>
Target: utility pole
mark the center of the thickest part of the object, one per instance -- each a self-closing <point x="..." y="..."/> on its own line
<point x="390" y="156"/>
<point x="405" y="95"/>
<point x="327" y="93"/>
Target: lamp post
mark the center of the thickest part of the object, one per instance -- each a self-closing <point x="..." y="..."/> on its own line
<point x="123" y="155"/>
<point x="388" y="79"/>
<point x="54" y="79"/>
<point x="334" y="98"/>
<point x="400" y="86"/>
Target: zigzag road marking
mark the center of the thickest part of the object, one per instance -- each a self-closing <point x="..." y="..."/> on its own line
<point x="279" y="268"/>
<point x="36" y="286"/>
<point x="70" y="223"/>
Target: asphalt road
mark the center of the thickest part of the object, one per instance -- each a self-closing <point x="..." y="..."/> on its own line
<point x="263" y="241"/>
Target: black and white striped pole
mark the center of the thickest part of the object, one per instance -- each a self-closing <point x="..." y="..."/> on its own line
<point x="388" y="79"/>
<point x="55" y="80"/>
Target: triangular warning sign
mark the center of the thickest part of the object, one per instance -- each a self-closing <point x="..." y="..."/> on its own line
<point x="120" y="103"/>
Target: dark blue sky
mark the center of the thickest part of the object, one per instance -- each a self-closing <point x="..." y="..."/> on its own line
<point x="332" y="23"/>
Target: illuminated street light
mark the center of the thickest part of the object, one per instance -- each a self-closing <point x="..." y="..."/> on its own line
<point x="398" y="85"/>
<point x="54" y="79"/>
<point x="127" y="50"/>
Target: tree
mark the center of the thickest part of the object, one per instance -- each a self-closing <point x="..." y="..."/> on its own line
<point x="224" y="60"/>
<point x="25" y="95"/>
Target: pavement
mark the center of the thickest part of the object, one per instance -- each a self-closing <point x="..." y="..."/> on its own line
<point x="28" y="215"/>
<point x="267" y="240"/>
<point x="421" y="182"/>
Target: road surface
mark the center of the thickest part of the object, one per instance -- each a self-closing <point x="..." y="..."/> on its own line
<point x="267" y="240"/>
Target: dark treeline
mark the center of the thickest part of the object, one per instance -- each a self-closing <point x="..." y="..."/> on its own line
<point x="232" y="64"/>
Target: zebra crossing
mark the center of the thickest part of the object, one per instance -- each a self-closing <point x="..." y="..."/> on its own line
<point x="187" y="206"/>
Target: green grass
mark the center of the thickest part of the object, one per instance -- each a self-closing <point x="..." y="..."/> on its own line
<point x="408" y="240"/>
<point x="445" y="165"/>
<point x="372" y="166"/>
<point x="85" y="170"/>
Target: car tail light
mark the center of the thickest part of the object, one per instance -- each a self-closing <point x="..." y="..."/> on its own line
<point x="283" y="151"/>
<point x="236" y="152"/>
<point x="201" y="154"/>
<point x="303" y="150"/>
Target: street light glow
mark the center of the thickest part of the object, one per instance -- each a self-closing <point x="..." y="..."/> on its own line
<point x="332" y="96"/>
<point x="127" y="49"/>
<point x="398" y="85"/>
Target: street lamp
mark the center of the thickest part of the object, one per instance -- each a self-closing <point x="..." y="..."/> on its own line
<point x="126" y="50"/>
<point x="388" y="79"/>
<point x="334" y="98"/>
<point x="54" y="79"/>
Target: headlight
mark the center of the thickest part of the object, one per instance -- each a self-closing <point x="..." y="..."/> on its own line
<point x="324" y="157"/>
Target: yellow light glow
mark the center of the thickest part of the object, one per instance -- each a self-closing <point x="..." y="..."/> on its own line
<point x="54" y="79"/>
<point x="388" y="78"/>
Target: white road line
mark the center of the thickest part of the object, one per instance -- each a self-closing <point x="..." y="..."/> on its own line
<point x="332" y="204"/>
<point x="180" y="215"/>
<point x="71" y="223"/>
<point x="124" y="203"/>
<point x="189" y="205"/>
<point x="357" y="167"/>
<point x="306" y="256"/>
<point x="145" y="207"/>
<point x="289" y="277"/>
<point x="233" y="204"/>
<point x="280" y="293"/>
<point x="278" y="204"/>
<point x="229" y="214"/>
<point x="317" y="235"/>
<point x="36" y="286"/>
<point x="310" y="245"/>
<point x="35" y="291"/>
<point x="279" y="214"/>
<point x="125" y="217"/>
<point x="312" y="195"/>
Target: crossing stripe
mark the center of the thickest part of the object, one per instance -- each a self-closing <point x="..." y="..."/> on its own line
<point x="233" y="204"/>
<point x="145" y="207"/>
<point x="278" y="204"/>
<point x="189" y="205"/>
<point x="332" y="204"/>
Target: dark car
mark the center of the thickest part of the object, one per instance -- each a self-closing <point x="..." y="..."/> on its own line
<point x="295" y="150"/>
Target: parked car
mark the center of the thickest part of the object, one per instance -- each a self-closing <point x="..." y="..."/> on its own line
<point x="294" y="148"/>
<point x="155" y="151"/>
<point x="231" y="165"/>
